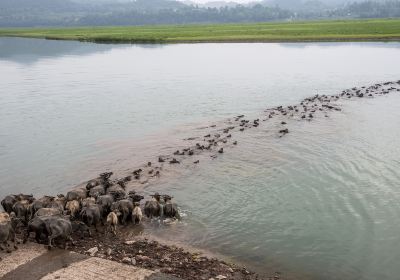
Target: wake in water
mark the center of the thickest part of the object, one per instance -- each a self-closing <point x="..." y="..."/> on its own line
<point x="220" y="138"/>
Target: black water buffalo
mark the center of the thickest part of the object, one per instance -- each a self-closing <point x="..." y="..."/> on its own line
<point x="152" y="208"/>
<point x="97" y="191"/>
<point x="123" y="208"/>
<point x="91" y="215"/>
<point x="20" y="208"/>
<point x="105" y="202"/>
<point x="117" y="192"/>
<point x="170" y="209"/>
<point x="58" y="228"/>
<point x="8" y="202"/>
<point x="42" y="202"/>
<point x="91" y="184"/>
<point x="81" y="228"/>
<point x="76" y="194"/>
<point x="38" y="226"/>
<point x="135" y="197"/>
<point x="59" y="202"/>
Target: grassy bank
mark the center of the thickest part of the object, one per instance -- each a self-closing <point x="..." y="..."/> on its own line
<point x="343" y="30"/>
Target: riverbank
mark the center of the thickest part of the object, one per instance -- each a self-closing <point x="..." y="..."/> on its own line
<point x="312" y="31"/>
<point x="113" y="257"/>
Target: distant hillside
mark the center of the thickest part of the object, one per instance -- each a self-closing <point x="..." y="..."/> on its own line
<point x="33" y="13"/>
<point x="304" y="4"/>
<point x="44" y="5"/>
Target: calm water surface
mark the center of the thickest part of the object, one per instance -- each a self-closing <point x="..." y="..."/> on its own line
<point x="321" y="203"/>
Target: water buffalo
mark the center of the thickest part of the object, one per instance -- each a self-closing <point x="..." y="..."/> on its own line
<point x="91" y="215"/>
<point x="43" y="202"/>
<point x="20" y="208"/>
<point x="112" y="222"/>
<point x="76" y="194"/>
<point x="9" y="201"/>
<point x="48" y="212"/>
<point x="88" y="201"/>
<point x="123" y="208"/>
<point x="117" y="192"/>
<point x="59" y="202"/>
<point x="37" y="225"/>
<point x="170" y="208"/>
<point x="135" y="197"/>
<point x="4" y="217"/>
<point x="73" y="207"/>
<point x="7" y="231"/>
<point x="91" y="184"/>
<point x="152" y="208"/>
<point x="137" y="213"/>
<point x="97" y="191"/>
<point x="6" y="234"/>
<point x="58" y="228"/>
<point x="105" y="201"/>
<point x="81" y="228"/>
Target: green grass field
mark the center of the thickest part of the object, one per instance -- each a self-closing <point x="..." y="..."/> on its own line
<point x="340" y="30"/>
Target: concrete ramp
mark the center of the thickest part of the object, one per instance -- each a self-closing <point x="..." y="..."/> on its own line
<point x="33" y="262"/>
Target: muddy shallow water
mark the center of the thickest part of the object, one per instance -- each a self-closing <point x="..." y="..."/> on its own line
<point x="319" y="203"/>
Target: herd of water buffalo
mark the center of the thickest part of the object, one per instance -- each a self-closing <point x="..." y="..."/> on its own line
<point x="100" y="202"/>
<point x="106" y="202"/>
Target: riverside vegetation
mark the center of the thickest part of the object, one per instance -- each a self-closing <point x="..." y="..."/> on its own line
<point x="338" y="30"/>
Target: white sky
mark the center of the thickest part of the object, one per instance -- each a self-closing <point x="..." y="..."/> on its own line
<point x="237" y="1"/>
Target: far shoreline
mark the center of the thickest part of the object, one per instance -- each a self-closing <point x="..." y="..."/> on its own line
<point x="360" y="30"/>
<point x="234" y="41"/>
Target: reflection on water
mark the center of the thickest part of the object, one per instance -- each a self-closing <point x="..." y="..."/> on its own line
<point x="33" y="50"/>
<point x="321" y="202"/>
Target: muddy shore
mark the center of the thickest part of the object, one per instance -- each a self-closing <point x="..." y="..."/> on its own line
<point x="168" y="259"/>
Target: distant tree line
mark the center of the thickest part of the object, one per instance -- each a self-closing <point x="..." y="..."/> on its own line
<point x="370" y="9"/>
<point x="189" y="15"/>
<point x="28" y="13"/>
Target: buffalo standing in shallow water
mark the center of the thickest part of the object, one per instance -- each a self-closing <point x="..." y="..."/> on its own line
<point x="152" y="208"/>
<point x="170" y="208"/>
<point x="123" y="209"/>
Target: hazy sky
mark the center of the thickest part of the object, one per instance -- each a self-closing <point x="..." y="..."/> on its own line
<point x="237" y="1"/>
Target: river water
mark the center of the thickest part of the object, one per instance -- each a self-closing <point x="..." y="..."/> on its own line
<point x="322" y="202"/>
